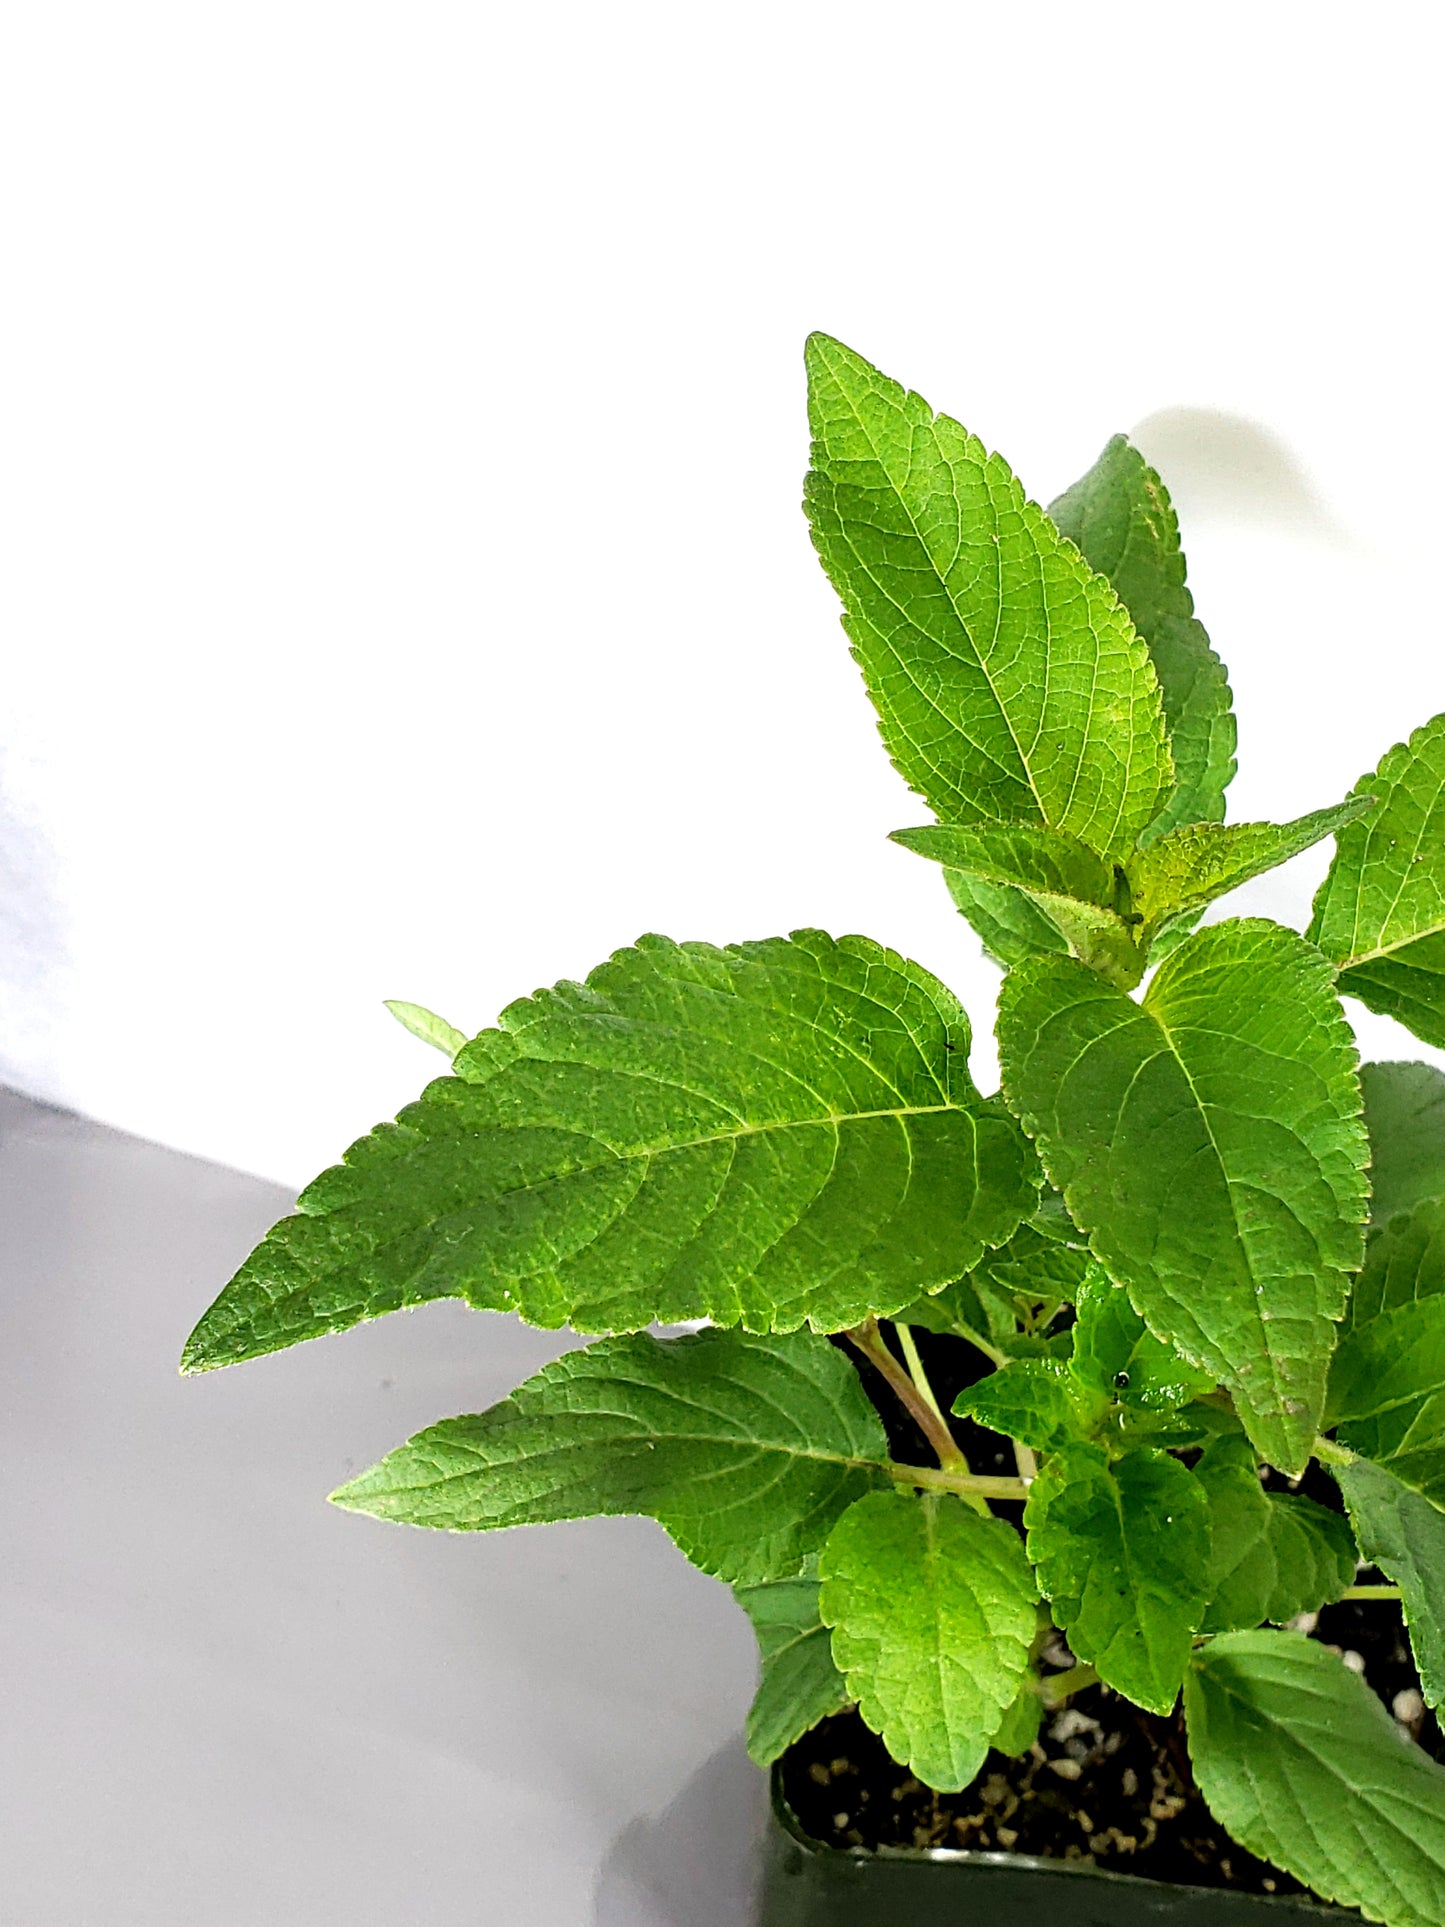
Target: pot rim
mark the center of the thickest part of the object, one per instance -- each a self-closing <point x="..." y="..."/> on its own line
<point x="784" y="1816"/>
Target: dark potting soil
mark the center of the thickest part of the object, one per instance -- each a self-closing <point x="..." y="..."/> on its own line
<point x="1106" y="1784"/>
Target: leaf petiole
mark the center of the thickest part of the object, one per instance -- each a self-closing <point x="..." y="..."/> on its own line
<point x="968" y="1485"/>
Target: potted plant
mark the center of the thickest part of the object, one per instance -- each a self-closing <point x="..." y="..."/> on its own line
<point x="1038" y="1428"/>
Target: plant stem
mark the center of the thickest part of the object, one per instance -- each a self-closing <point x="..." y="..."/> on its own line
<point x="1328" y="1453"/>
<point x="968" y="1485"/>
<point x="1027" y="1464"/>
<point x="1371" y="1592"/>
<point x="923" y="1411"/>
<point x="916" y="1371"/>
<point x="1059" y="1687"/>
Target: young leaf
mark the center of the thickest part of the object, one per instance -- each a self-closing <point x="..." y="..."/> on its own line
<point x="1380" y="912"/>
<point x="1404" y="1535"/>
<point x="1190" y="867"/>
<point x="1405" y="1112"/>
<point x="1010" y="926"/>
<point x="1121" y="518"/>
<point x="1034" y="1400"/>
<point x="746" y="1449"/>
<point x="1033" y="1269"/>
<point x="932" y="1610"/>
<point x="799" y="1684"/>
<point x="1274" y="1554"/>
<point x="1122" y="1553"/>
<point x="1118" y="1357"/>
<point x="1404" y="1263"/>
<point x="1209" y="1139"/>
<point x="1060" y="876"/>
<point x="777" y="1132"/>
<point x="1301" y="1764"/>
<point x="1010" y="684"/>
<point x="426" y="1025"/>
<point x="1387" y="1393"/>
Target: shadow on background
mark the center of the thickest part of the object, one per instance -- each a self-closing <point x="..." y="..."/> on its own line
<point x="695" y="1863"/>
<point x="1225" y="468"/>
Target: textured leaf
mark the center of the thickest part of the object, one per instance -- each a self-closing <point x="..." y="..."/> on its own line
<point x="773" y="1133"/>
<point x="1380" y="912"/>
<point x="799" y="1684"/>
<point x="1034" y="1400"/>
<point x="1121" y="517"/>
<point x="932" y="1610"/>
<point x="1274" y="1554"/>
<point x="1122" y="1553"/>
<point x="1405" y="1263"/>
<point x="1405" y="1112"/>
<point x="1209" y="1139"/>
<point x="1387" y="1393"/>
<point x="1060" y="876"/>
<point x="746" y="1449"/>
<point x="1116" y="1355"/>
<point x="1021" y="1722"/>
<point x="1032" y="1271"/>
<point x="1010" y="926"/>
<point x="1404" y="1535"/>
<point x="1302" y="1765"/>
<point x="1010" y="684"/>
<point x="1190" y="867"/>
<point x="426" y="1025"/>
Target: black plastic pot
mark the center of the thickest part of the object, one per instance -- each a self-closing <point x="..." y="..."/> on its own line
<point x="806" y="1884"/>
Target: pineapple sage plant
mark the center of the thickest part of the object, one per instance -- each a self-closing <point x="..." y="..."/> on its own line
<point x="1191" y="1246"/>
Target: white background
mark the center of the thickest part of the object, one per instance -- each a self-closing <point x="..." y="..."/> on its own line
<point x="405" y="592"/>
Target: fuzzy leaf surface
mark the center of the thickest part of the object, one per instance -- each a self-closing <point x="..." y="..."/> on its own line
<point x="1380" y="912"/>
<point x="774" y="1133"/>
<point x="932" y="1610"/>
<point x="1405" y="1113"/>
<point x="1121" y="518"/>
<point x="798" y="1684"/>
<point x="1274" y="1554"/>
<point x="1301" y="1764"/>
<point x="1010" y="684"/>
<point x="1122" y="1553"/>
<point x="1387" y="1393"/>
<point x="1009" y="925"/>
<point x="1209" y="1139"/>
<point x="745" y="1449"/>
<point x="1192" y="866"/>
<point x="1403" y="1534"/>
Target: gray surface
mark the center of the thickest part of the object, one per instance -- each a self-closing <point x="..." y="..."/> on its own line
<point x="223" y="1702"/>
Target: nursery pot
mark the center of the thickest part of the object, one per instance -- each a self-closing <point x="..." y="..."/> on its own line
<point x="807" y="1884"/>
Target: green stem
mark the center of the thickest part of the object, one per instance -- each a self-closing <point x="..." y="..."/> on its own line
<point x="968" y="1485"/>
<point x="1328" y="1453"/>
<point x="1371" y="1592"/>
<point x="923" y="1411"/>
<point x="916" y="1371"/>
<point x="1059" y="1687"/>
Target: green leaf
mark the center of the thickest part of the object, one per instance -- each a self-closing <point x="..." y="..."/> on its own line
<point x="1021" y="1722"/>
<point x="799" y="1684"/>
<point x="1274" y="1554"/>
<point x="1405" y="1112"/>
<point x="1301" y="1764"/>
<point x="1387" y="1393"/>
<point x="1010" y="926"/>
<point x="1116" y="1355"/>
<point x="1034" y="1400"/>
<point x="1209" y="1139"/>
<point x="1033" y="1271"/>
<point x="1404" y="1535"/>
<point x="932" y="1610"/>
<point x="1404" y="1263"/>
<point x="1122" y="1553"/>
<point x="1380" y="912"/>
<point x="1010" y="684"/>
<point x="1060" y="876"/>
<point x="1121" y="518"/>
<point x="772" y="1133"/>
<point x="1190" y="867"/>
<point x="426" y="1025"/>
<point x="746" y="1449"/>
